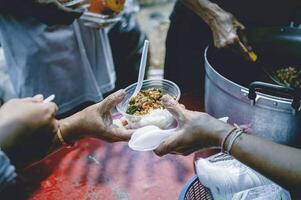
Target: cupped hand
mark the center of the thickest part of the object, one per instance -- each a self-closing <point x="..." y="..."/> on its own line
<point x="196" y="130"/>
<point x="97" y="121"/>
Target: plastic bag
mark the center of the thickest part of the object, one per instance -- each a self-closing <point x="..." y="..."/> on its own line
<point x="266" y="192"/>
<point x="225" y="176"/>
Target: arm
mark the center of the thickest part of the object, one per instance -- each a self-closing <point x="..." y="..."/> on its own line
<point x="28" y="129"/>
<point x="226" y="29"/>
<point x="280" y="163"/>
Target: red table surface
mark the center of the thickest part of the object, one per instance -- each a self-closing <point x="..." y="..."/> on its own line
<point x="113" y="171"/>
<point x="94" y="169"/>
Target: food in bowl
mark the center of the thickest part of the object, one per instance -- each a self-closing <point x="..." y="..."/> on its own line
<point x="145" y="101"/>
<point x="289" y="76"/>
<point x="146" y="108"/>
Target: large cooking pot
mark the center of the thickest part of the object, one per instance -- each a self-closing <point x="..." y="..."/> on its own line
<point x="244" y="94"/>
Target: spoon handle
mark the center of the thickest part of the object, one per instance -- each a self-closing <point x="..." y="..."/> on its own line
<point x="142" y="68"/>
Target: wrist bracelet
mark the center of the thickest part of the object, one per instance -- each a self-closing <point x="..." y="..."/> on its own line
<point x="225" y="139"/>
<point x="238" y="133"/>
<point x="60" y="137"/>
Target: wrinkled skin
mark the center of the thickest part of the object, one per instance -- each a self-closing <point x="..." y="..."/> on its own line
<point x="28" y="127"/>
<point x="196" y="130"/>
<point x="96" y="121"/>
<point x="227" y="31"/>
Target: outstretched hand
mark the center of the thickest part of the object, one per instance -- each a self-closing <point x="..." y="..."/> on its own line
<point x="97" y="121"/>
<point x="196" y="130"/>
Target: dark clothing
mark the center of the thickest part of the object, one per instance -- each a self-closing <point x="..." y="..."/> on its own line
<point x="188" y="35"/>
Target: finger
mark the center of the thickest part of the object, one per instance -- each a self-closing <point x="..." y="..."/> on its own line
<point x="239" y="25"/>
<point x="39" y="97"/>
<point x="174" y="108"/>
<point x="52" y="107"/>
<point x="169" y="146"/>
<point x="243" y="38"/>
<point x="31" y="99"/>
<point x="111" y="101"/>
<point x="122" y="134"/>
<point x="117" y="135"/>
<point x="183" y="106"/>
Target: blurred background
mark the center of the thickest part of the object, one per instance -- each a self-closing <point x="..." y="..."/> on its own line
<point x="153" y="19"/>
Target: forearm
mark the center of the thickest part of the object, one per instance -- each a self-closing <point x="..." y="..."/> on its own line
<point x="280" y="163"/>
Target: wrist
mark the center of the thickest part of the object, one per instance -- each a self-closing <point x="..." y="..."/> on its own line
<point x="216" y="15"/>
<point x="70" y="128"/>
<point x="210" y="130"/>
<point x="220" y="132"/>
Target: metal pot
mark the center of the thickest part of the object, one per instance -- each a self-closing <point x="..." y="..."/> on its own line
<point x="270" y="113"/>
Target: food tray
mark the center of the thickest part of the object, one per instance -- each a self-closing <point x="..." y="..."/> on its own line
<point x="194" y="190"/>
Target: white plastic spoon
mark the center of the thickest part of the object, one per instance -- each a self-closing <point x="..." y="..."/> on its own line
<point x="148" y="138"/>
<point x="142" y="68"/>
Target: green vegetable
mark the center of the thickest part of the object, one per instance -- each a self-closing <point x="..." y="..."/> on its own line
<point x="131" y="109"/>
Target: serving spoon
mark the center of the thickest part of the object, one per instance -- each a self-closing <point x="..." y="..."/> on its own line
<point x="142" y="68"/>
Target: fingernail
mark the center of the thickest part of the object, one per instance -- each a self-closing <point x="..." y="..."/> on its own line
<point x="167" y="100"/>
<point x="39" y="97"/>
<point x="120" y="94"/>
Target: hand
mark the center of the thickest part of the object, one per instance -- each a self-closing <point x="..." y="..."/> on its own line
<point x="226" y="30"/>
<point x="96" y="121"/>
<point x="196" y="130"/>
<point x="27" y="127"/>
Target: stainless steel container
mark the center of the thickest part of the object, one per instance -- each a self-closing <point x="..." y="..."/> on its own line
<point x="269" y="116"/>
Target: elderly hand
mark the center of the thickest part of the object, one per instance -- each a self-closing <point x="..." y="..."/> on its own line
<point x="226" y="29"/>
<point x="26" y="127"/>
<point x="196" y="130"/>
<point x="96" y="121"/>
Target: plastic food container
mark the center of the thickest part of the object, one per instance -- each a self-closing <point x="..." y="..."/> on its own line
<point x="166" y="86"/>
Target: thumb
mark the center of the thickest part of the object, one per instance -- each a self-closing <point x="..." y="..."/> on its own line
<point x="174" y="108"/>
<point x="112" y="100"/>
<point x="170" y="145"/>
